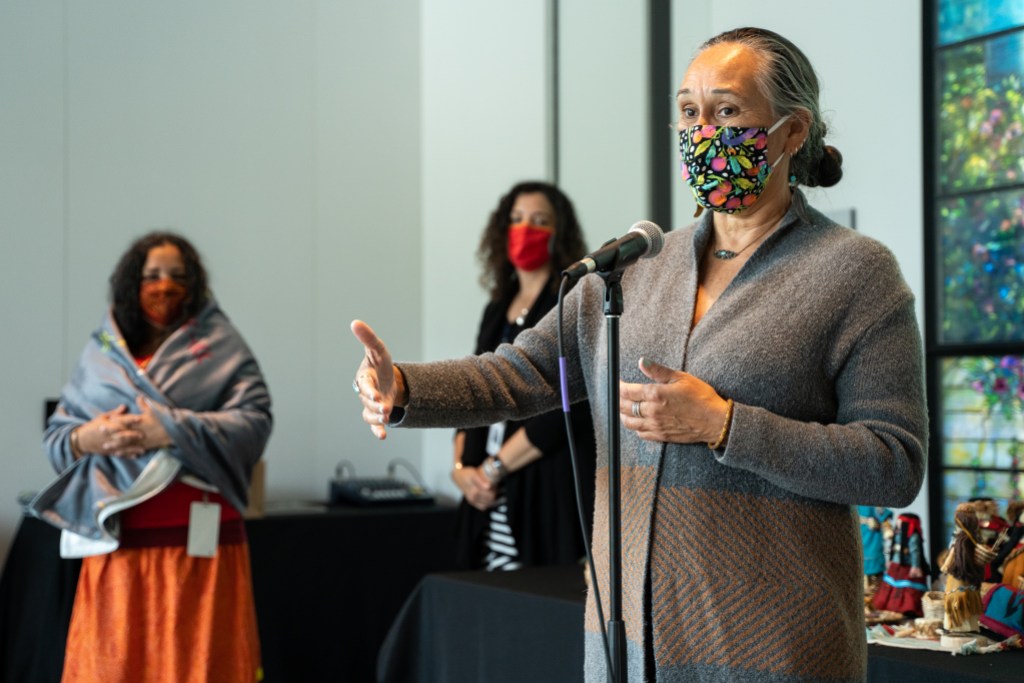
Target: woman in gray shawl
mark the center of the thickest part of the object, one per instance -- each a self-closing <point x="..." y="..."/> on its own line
<point x="155" y="439"/>
<point x="772" y="378"/>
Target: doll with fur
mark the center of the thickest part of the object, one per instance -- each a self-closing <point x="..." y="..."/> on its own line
<point x="964" y="573"/>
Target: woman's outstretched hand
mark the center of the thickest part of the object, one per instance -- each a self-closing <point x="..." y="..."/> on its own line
<point x="378" y="382"/>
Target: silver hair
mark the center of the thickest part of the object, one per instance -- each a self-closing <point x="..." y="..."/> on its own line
<point x="788" y="80"/>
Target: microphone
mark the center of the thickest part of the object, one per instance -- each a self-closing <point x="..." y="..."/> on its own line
<point x="644" y="240"/>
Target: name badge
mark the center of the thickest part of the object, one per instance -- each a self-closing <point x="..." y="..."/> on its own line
<point x="495" y="438"/>
<point x="203" y="529"/>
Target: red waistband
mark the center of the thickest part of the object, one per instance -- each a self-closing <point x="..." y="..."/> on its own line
<point x="171" y="508"/>
<point x="232" y="532"/>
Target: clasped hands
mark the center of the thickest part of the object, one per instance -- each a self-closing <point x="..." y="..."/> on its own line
<point x="122" y="434"/>
<point x="478" y="490"/>
<point x="674" y="407"/>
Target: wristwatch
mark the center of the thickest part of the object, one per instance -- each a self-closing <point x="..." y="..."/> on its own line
<point x="494" y="469"/>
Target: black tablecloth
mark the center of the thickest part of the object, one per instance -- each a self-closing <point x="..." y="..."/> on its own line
<point x="327" y="586"/>
<point x="36" y="593"/>
<point x="517" y="626"/>
<point x="887" y="663"/>
<point x="528" y="626"/>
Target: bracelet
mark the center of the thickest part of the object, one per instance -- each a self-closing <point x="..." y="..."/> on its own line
<point x="725" y="427"/>
<point x="76" y="450"/>
<point x="457" y="466"/>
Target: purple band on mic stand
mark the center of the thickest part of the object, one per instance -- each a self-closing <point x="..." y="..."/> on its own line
<point x="563" y="379"/>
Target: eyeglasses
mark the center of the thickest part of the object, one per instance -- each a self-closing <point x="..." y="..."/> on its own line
<point x="536" y="218"/>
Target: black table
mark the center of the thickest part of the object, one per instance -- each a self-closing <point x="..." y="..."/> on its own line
<point x="528" y="626"/>
<point x="36" y="593"/>
<point x="517" y="626"/>
<point x="327" y="584"/>
<point x="887" y="663"/>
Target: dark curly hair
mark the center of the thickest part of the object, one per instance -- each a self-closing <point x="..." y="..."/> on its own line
<point x="790" y="84"/>
<point x="126" y="280"/>
<point x="498" y="273"/>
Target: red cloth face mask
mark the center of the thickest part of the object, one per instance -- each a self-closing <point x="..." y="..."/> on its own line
<point x="529" y="245"/>
<point x="162" y="301"/>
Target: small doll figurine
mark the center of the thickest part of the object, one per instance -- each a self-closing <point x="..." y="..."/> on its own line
<point x="906" y="577"/>
<point x="963" y="573"/>
<point x="1008" y="566"/>
<point x="992" y="533"/>
<point x="875" y="532"/>
<point x="987" y="511"/>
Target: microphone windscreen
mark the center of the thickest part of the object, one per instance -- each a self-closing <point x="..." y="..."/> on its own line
<point x="655" y="237"/>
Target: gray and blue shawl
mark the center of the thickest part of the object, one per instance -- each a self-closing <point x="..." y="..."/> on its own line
<point x="206" y="388"/>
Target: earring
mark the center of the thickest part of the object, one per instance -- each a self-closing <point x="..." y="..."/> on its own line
<point x="792" y="179"/>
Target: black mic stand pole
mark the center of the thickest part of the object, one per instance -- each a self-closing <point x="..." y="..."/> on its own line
<point x="616" y="627"/>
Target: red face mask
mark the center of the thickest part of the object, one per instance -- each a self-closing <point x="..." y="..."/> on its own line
<point x="529" y="245"/>
<point x="162" y="301"/>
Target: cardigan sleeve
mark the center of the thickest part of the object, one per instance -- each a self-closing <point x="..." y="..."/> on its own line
<point x="515" y="382"/>
<point x="874" y="452"/>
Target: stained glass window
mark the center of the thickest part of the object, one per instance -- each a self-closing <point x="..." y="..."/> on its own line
<point x="982" y="429"/>
<point x="981" y="245"/>
<point x="981" y="122"/>
<point x="976" y="229"/>
<point x="965" y="19"/>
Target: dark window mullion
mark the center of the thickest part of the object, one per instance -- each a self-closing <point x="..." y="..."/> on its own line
<point x="960" y="194"/>
<point x="983" y="38"/>
<point x="988" y="470"/>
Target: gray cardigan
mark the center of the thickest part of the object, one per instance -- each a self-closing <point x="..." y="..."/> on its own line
<point x="750" y="555"/>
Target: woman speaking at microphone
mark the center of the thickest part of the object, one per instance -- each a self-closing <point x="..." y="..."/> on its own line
<point x="518" y="507"/>
<point x="772" y="379"/>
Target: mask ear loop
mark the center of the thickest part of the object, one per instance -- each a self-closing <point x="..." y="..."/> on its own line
<point x="771" y="130"/>
<point x="778" y="123"/>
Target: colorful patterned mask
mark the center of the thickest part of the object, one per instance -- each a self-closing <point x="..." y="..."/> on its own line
<point x="726" y="166"/>
<point x="529" y="245"/>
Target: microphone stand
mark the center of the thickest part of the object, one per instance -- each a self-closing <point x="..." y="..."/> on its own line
<point x="616" y="627"/>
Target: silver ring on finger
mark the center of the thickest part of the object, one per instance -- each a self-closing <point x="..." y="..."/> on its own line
<point x="355" y="386"/>
<point x="636" y="409"/>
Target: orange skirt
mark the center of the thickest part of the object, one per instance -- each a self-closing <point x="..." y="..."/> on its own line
<point x="156" y="615"/>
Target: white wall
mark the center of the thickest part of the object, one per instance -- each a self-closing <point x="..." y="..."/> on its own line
<point x="367" y="216"/>
<point x="484" y="124"/>
<point x="32" y="231"/>
<point x="603" y="114"/>
<point x="302" y="144"/>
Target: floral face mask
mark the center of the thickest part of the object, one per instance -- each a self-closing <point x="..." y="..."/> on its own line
<point x="726" y="167"/>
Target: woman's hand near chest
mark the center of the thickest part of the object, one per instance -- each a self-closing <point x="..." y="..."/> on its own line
<point x="675" y="407"/>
